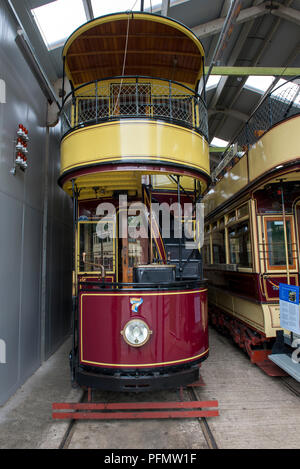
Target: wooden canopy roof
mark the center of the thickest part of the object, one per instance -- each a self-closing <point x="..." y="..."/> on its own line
<point x="155" y="46"/>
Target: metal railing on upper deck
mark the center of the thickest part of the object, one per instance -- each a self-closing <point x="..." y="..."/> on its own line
<point x="119" y="98"/>
<point x="278" y="105"/>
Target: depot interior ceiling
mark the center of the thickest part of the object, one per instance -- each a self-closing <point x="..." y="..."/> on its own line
<point x="265" y="34"/>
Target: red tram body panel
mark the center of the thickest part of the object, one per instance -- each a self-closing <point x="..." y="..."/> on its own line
<point x="178" y="321"/>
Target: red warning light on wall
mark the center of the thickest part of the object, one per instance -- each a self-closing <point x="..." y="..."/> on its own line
<point x="21" y="148"/>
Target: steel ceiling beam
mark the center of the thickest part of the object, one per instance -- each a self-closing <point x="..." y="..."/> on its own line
<point x="255" y="61"/>
<point x="245" y="30"/>
<point x="88" y="9"/>
<point x="165" y="7"/>
<point x="230" y="112"/>
<point x="289" y="14"/>
<point x="257" y="71"/>
<point x="247" y="14"/>
<point x="215" y="26"/>
<point x="225" y="34"/>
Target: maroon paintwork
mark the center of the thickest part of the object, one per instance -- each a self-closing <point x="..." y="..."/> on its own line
<point x="145" y="167"/>
<point x="177" y="319"/>
<point x="254" y="287"/>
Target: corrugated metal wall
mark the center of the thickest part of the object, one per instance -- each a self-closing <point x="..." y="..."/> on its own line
<point x="35" y="227"/>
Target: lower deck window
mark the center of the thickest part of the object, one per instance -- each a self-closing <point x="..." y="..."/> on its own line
<point x="219" y="254"/>
<point x="240" y="245"/>
<point x="276" y="243"/>
<point x="96" y="251"/>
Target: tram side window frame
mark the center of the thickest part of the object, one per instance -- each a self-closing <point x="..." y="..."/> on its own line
<point x="207" y="246"/>
<point x="239" y="217"/>
<point x="80" y="252"/>
<point x="279" y="267"/>
<point x="219" y="255"/>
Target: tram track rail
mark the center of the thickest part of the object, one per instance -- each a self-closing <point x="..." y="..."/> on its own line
<point x="206" y="430"/>
<point x="190" y="392"/>
<point x="286" y="382"/>
<point x="64" y="444"/>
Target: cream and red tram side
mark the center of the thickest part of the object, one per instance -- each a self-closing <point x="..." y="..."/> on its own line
<point x="135" y="132"/>
<point x="252" y="224"/>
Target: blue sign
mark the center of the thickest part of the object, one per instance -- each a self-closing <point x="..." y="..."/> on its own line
<point x="289" y="293"/>
<point x="289" y="307"/>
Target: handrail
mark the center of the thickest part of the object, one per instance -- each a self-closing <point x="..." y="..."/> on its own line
<point x="130" y="77"/>
<point x="96" y="101"/>
<point x="274" y="108"/>
<point x="131" y="286"/>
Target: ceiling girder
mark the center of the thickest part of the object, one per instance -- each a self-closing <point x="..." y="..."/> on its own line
<point x="88" y="9"/>
<point x="247" y="14"/>
<point x="258" y="71"/>
<point x="289" y="14"/>
<point x="215" y="26"/>
<point x="255" y="60"/>
<point x="230" y="112"/>
<point x="165" y="7"/>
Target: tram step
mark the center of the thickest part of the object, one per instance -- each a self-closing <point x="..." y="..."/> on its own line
<point x="285" y="362"/>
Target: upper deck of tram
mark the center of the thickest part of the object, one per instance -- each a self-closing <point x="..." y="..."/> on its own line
<point x="134" y="65"/>
<point x="134" y="74"/>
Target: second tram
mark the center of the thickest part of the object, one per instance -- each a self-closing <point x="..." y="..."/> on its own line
<point x="252" y="224"/>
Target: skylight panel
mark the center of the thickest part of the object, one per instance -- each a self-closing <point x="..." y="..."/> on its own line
<point x="152" y="5"/>
<point x="103" y="7"/>
<point x="260" y="84"/>
<point x="218" y="142"/>
<point x="212" y="82"/>
<point x="58" y="19"/>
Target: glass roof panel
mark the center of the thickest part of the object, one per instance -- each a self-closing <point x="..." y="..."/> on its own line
<point x="212" y="82"/>
<point x="58" y="19"/>
<point x="218" y="142"/>
<point x="105" y="7"/>
<point x="260" y="84"/>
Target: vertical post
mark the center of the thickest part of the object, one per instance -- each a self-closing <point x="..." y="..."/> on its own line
<point x="285" y="235"/>
<point x="170" y="99"/>
<point x="96" y="97"/>
<point x="75" y="206"/>
<point x="195" y="101"/>
<point x="44" y="249"/>
<point x="137" y="97"/>
<point x="63" y="83"/>
<point x="150" y="202"/>
<point x="180" y="224"/>
<point x="270" y="110"/>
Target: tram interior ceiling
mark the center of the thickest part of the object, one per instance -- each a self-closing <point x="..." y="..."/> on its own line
<point x="171" y="103"/>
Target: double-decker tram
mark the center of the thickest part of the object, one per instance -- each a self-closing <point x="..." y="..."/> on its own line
<point x="135" y="160"/>
<point x="252" y="238"/>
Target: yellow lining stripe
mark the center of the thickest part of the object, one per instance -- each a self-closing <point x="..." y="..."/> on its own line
<point x="149" y="364"/>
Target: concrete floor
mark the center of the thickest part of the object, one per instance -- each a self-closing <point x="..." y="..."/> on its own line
<point x="256" y="411"/>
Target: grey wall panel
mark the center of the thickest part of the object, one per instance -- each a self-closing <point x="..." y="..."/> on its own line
<point x="34" y="213"/>
<point x="30" y="293"/>
<point x="59" y="253"/>
<point x="11" y="228"/>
